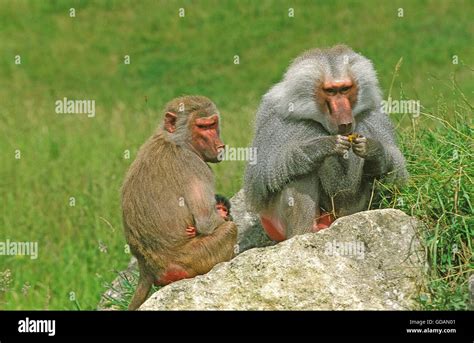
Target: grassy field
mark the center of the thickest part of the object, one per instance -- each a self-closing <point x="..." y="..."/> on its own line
<point x="82" y="57"/>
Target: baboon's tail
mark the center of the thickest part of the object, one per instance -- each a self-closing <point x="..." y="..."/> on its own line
<point x="145" y="282"/>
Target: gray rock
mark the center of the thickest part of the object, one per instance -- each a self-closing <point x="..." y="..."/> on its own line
<point x="367" y="261"/>
<point x="250" y="232"/>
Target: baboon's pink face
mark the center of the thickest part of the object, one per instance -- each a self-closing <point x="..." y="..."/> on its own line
<point x="205" y="138"/>
<point x="222" y="210"/>
<point x="337" y="98"/>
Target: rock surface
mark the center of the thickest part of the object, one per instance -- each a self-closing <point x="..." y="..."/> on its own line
<point x="367" y="261"/>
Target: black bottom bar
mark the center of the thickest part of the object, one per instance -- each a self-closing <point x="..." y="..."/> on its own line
<point x="416" y="326"/>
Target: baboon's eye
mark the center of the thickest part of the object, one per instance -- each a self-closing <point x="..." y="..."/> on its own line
<point x="206" y="126"/>
<point x="330" y="91"/>
<point x="345" y="89"/>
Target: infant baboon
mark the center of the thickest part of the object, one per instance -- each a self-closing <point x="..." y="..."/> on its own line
<point x="223" y="207"/>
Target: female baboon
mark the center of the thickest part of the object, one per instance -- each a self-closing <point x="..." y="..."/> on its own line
<point x="169" y="214"/>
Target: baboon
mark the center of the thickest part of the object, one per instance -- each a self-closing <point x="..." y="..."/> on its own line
<point x="322" y="139"/>
<point x="169" y="209"/>
<point x="223" y="207"/>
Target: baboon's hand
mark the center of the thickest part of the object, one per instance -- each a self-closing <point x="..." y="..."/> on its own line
<point x="342" y="145"/>
<point x="359" y="146"/>
<point x="191" y="231"/>
<point x="365" y="147"/>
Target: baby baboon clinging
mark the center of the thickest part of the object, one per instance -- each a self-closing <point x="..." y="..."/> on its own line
<point x="223" y="207"/>
<point x="169" y="209"/>
<point x="310" y="167"/>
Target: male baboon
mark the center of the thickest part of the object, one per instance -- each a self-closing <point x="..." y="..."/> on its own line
<point x="309" y="169"/>
<point x="169" y="209"/>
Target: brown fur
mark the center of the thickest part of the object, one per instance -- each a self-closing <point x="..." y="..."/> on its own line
<point x="165" y="170"/>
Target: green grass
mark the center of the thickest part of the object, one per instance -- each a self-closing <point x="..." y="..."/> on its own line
<point x="123" y="290"/>
<point x="65" y="156"/>
<point x="126" y="289"/>
<point x="439" y="193"/>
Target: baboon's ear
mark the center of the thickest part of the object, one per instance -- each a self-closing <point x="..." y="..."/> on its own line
<point x="170" y="122"/>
